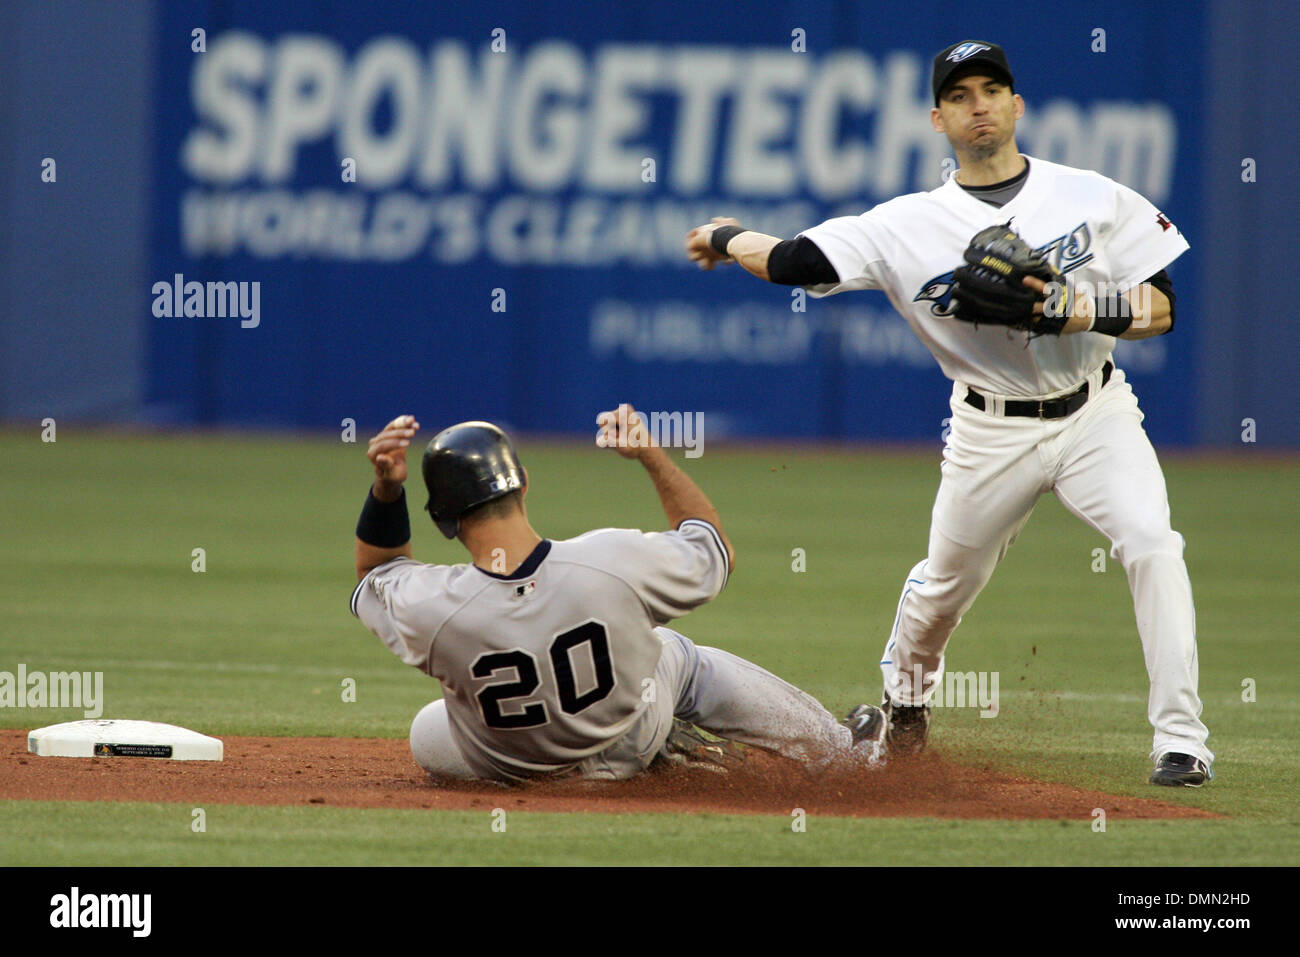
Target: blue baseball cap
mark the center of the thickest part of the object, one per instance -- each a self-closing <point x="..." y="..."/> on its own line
<point x="967" y="57"/>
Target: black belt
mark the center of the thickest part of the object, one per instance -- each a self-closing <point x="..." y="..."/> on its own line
<point x="1057" y="408"/>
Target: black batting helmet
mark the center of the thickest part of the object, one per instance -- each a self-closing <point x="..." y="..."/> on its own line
<point x="465" y="466"/>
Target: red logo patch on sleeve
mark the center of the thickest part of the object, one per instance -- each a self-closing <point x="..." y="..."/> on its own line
<point x="1162" y="221"/>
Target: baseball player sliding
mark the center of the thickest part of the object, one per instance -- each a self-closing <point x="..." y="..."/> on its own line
<point x="1024" y="327"/>
<point x="552" y="654"/>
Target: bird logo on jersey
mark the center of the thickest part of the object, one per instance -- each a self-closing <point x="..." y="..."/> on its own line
<point x="966" y="51"/>
<point x="1067" y="253"/>
<point x="939" y="291"/>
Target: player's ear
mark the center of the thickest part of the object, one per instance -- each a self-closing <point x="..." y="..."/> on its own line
<point x="1020" y="104"/>
<point x="523" y="491"/>
<point x="936" y="120"/>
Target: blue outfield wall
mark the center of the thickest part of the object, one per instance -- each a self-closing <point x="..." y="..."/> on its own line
<point x="508" y="251"/>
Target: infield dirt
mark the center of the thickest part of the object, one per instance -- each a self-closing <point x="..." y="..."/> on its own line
<point x="379" y="772"/>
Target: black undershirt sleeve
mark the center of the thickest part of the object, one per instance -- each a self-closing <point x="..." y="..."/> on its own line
<point x="1162" y="282"/>
<point x="798" y="262"/>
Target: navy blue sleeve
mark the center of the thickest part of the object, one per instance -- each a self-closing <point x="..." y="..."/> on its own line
<point x="798" y="262"/>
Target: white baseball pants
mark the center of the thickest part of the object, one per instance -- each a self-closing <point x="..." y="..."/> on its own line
<point x="1100" y="464"/>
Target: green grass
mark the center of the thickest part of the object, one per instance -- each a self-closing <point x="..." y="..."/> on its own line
<point x="95" y="574"/>
<point x="77" y="833"/>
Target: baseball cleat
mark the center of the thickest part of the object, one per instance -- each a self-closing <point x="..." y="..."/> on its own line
<point x="688" y="746"/>
<point x="1178" y="770"/>
<point x="869" y="726"/>
<point x="908" y="727"/>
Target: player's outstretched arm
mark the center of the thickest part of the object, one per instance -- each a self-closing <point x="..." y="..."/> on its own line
<point x="624" y="429"/>
<point x="384" y="529"/>
<point x="748" y="248"/>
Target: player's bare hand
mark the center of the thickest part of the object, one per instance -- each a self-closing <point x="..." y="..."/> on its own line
<point x="698" y="249"/>
<point x="1040" y="287"/>
<point x="387" y="453"/>
<point x="1081" y="307"/>
<point x="623" y="429"/>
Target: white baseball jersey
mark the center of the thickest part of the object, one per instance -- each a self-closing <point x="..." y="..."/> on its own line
<point x="549" y="665"/>
<point x="1092" y="228"/>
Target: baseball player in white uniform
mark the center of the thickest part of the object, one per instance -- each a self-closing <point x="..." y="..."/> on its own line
<point x="552" y="655"/>
<point x="1030" y="413"/>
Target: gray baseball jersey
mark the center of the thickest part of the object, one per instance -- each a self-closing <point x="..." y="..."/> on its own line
<point x="549" y="665"/>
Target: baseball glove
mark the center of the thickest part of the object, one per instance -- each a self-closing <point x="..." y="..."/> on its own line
<point x="990" y="288"/>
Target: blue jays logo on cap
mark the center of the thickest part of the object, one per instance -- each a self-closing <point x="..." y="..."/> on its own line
<point x="965" y="51"/>
<point x="953" y="61"/>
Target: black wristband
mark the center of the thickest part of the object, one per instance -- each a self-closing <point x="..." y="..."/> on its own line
<point x="723" y="235"/>
<point x="384" y="524"/>
<point x="1114" y="315"/>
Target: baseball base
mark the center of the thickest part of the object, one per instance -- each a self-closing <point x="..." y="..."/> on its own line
<point x="118" y="738"/>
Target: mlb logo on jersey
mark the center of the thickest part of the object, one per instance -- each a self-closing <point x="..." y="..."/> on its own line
<point x="523" y="591"/>
<point x="965" y="51"/>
